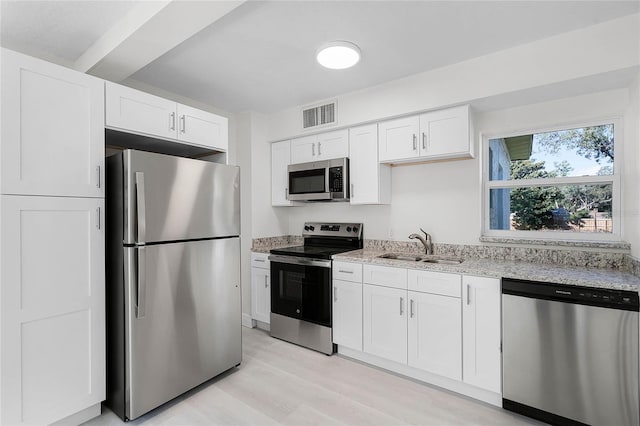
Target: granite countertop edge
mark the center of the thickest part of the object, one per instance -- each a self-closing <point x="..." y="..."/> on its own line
<point x="560" y="274"/>
<point x="553" y="273"/>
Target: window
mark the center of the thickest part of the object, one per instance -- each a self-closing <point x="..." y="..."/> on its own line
<point x="560" y="184"/>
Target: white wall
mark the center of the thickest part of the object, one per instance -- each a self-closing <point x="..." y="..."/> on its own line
<point x="631" y="188"/>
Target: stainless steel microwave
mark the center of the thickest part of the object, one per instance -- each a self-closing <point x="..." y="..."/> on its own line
<point x="326" y="180"/>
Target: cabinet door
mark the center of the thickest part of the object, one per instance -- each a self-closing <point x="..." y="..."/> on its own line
<point x="445" y="133"/>
<point x="202" y="128"/>
<point x="333" y="145"/>
<point x="481" y="332"/>
<point x="304" y="149"/>
<point x="385" y="322"/>
<point x="435" y="334"/>
<point x="280" y="159"/>
<point x="51" y="307"/>
<point x="398" y="138"/>
<point x="138" y="112"/>
<point x="347" y="314"/>
<point x="261" y="294"/>
<point x="52" y="129"/>
<point x="370" y="180"/>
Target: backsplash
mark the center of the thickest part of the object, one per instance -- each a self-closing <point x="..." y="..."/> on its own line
<point x="571" y="257"/>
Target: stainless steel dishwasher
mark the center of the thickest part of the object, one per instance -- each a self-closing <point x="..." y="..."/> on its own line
<point x="570" y="354"/>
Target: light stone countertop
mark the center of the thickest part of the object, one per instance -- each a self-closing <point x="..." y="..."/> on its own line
<point x="571" y="275"/>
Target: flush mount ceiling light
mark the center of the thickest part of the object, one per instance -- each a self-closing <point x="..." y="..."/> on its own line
<point x="338" y="55"/>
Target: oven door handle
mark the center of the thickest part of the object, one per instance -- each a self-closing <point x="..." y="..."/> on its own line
<point x="300" y="261"/>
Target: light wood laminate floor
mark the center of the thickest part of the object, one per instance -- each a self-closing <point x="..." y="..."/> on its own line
<point x="280" y="383"/>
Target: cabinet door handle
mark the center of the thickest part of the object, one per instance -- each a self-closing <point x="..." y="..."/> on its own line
<point x="401" y="306"/>
<point x="424" y="136"/>
<point x="98" y="174"/>
<point x="335" y="294"/>
<point x="313" y="149"/>
<point x="319" y="149"/>
<point x="415" y="142"/>
<point x="468" y="294"/>
<point x="286" y="193"/>
<point x="183" y="124"/>
<point x="172" y="118"/>
<point x="266" y="281"/>
<point x="351" y="195"/>
<point x="259" y="260"/>
<point x="410" y="308"/>
<point x="344" y="271"/>
<point x="98" y="217"/>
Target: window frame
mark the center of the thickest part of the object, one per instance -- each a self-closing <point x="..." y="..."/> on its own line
<point x="614" y="180"/>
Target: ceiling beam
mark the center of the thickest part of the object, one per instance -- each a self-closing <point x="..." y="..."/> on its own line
<point x="149" y="31"/>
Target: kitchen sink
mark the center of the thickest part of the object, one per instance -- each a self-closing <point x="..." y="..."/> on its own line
<point x="441" y="259"/>
<point x="396" y="256"/>
<point x="423" y="258"/>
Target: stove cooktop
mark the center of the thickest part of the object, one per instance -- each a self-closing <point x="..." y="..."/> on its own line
<point x="317" y="252"/>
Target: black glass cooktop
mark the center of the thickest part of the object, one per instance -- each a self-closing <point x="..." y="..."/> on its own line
<point x="317" y="252"/>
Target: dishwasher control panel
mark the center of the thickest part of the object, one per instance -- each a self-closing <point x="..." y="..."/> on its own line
<point x="616" y="299"/>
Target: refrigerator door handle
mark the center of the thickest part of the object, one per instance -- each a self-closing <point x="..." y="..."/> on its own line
<point x="142" y="283"/>
<point x="141" y="209"/>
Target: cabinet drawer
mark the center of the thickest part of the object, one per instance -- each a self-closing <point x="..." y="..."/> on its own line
<point x="435" y="283"/>
<point x="347" y="271"/>
<point x="260" y="260"/>
<point x="385" y="275"/>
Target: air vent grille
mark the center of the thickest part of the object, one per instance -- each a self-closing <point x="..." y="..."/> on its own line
<point x="319" y="115"/>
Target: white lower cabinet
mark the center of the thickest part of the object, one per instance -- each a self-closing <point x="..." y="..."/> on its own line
<point x="52" y="307"/>
<point x="347" y="314"/>
<point x="481" y="317"/>
<point x="385" y="322"/>
<point x="435" y="334"/>
<point x="438" y="327"/>
<point x="260" y="287"/>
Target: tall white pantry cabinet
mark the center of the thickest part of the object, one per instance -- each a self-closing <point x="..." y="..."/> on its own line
<point x="52" y="318"/>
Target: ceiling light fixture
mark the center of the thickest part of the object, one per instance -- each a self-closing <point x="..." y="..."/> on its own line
<point x="338" y="55"/>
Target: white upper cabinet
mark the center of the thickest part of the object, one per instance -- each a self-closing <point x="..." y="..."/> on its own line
<point x="481" y="332"/>
<point x="325" y="146"/>
<point x="139" y="112"/>
<point x="199" y="127"/>
<point x="52" y="129"/>
<point x="280" y="159"/>
<point x="370" y="180"/>
<point x="399" y="138"/>
<point x="134" y="111"/>
<point x="434" y="135"/>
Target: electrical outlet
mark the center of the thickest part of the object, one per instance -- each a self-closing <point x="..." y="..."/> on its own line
<point x="390" y="233"/>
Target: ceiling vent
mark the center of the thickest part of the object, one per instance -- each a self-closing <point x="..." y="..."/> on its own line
<point x="319" y="115"/>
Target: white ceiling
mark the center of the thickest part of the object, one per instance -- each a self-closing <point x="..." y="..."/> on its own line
<point x="261" y="55"/>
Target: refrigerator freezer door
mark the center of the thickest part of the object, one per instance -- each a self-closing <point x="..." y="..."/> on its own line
<point x="191" y="328"/>
<point x="183" y="198"/>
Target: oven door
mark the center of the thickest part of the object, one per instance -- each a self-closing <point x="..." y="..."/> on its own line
<point x="301" y="288"/>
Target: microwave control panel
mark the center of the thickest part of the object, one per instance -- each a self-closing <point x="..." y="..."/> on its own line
<point x="335" y="179"/>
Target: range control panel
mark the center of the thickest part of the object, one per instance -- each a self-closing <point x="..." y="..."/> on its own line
<point x="320" y="229"/>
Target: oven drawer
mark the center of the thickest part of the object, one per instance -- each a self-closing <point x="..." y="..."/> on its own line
<point x="347" y="271"/>
<point x="385" y="276"/>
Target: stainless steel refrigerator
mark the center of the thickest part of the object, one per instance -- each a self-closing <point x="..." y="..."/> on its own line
<point x="173" y="277"/>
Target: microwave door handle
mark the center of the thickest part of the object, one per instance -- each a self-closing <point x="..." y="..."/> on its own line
<point x="326" y="182"/>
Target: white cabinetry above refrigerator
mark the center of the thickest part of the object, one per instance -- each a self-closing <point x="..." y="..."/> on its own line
<point x="137" y="112"/>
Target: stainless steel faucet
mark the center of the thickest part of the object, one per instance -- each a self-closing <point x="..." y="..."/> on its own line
<point x="426" y="241"/>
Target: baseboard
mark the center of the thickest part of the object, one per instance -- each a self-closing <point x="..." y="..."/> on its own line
<point x="81" y="416"/>
<point x="247" y="321"/>
<point x="423" y="376"/>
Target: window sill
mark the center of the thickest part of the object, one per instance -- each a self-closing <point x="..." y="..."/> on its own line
<point x="611" y="245"/>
